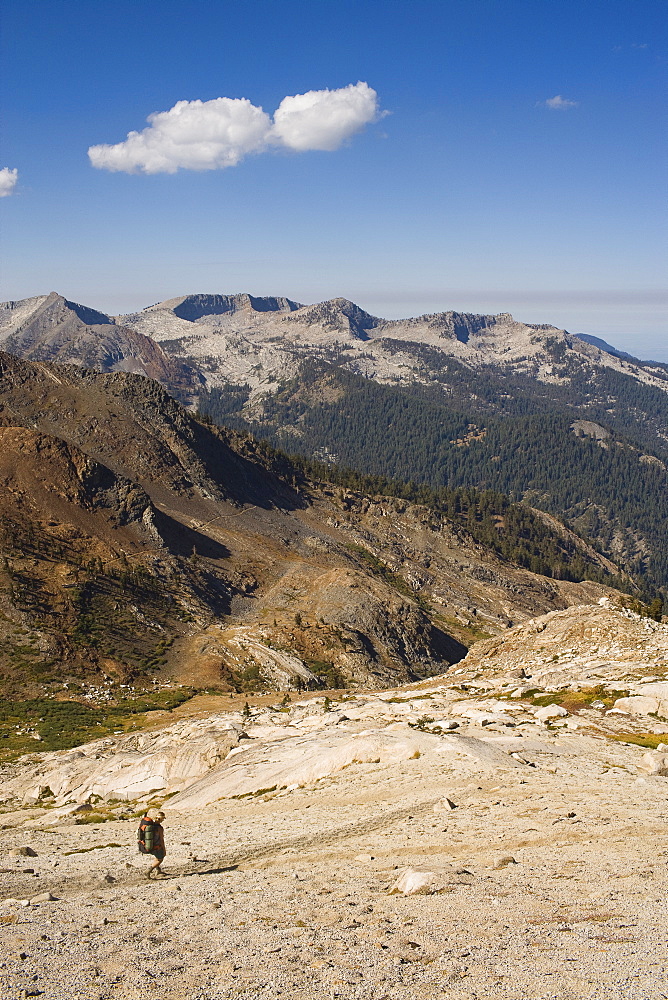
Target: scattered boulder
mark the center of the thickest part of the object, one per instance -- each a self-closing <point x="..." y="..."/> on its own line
<point x="658" y="692"/>
<point x="504" y="860"/>
<point x="521" y="691"/>
<point x="418" y="881"/>
<point x="23" y="852"/>
<point x="482" y="718"/>
<point x="550" y="712"/>
<point x="655" y="763"/>
<point x="637" y="705"/>
<point x="445" y="805"/>
<point x="43" y="897"/>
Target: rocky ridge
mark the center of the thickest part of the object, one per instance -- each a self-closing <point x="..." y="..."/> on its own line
<point x="216" y="340"/>
<point x="194" y="327"/>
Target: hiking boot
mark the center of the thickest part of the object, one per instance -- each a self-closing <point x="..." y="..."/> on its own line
<point x="149" y="873"/>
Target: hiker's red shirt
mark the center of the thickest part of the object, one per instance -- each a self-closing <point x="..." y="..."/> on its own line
<point x="158" y="838"/>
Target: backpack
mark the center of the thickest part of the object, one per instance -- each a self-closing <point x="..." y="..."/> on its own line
<point x="146" y="836"/>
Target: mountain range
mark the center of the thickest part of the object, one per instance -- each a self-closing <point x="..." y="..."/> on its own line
<point x="564" y="422"/>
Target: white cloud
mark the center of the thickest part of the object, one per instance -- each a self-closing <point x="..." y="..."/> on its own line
<point x="196" y="135"/>
<point x="8" y="179"/>
<point x="559" y="103"/>
<point x="324" y="119"/>
<point x="211" y="135"/>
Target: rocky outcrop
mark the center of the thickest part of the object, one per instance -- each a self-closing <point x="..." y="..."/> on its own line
<point x="580" y="645"/>
<point x="131" y="767"/>
<point x="482" y="721"/>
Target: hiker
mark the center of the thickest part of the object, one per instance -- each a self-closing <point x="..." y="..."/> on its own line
<point x="151" y="840"/>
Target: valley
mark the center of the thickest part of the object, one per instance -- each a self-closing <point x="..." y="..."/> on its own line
<point x="144" y="546"/>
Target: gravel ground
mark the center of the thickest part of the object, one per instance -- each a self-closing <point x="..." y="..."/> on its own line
<point x="289" y="894"/>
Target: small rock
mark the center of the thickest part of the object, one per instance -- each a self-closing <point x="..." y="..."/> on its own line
<point x="445" y="805"/>
<point x="43" y="897"/>
<point x="23" y="852"/>
<point x="503" y="860"/>
<point x="417" y="881"/>
<point x="364" y="857"/>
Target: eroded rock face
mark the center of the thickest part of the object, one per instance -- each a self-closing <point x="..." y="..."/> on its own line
<point x="300" y="760"/>
<point x="129" y="767"/>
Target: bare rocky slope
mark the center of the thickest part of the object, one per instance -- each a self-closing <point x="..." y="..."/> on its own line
<point x="491" y="832"/>
<point x="50" y="328"/>
<point x="139" y="543"/>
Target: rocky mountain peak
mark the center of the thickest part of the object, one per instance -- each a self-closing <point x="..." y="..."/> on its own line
<point x="336" y="316"/>
<point x="200" y="306"/>
<point x="52" y="328"/>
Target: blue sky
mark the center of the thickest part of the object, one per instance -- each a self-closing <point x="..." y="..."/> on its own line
<point x="515" y="159"/>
